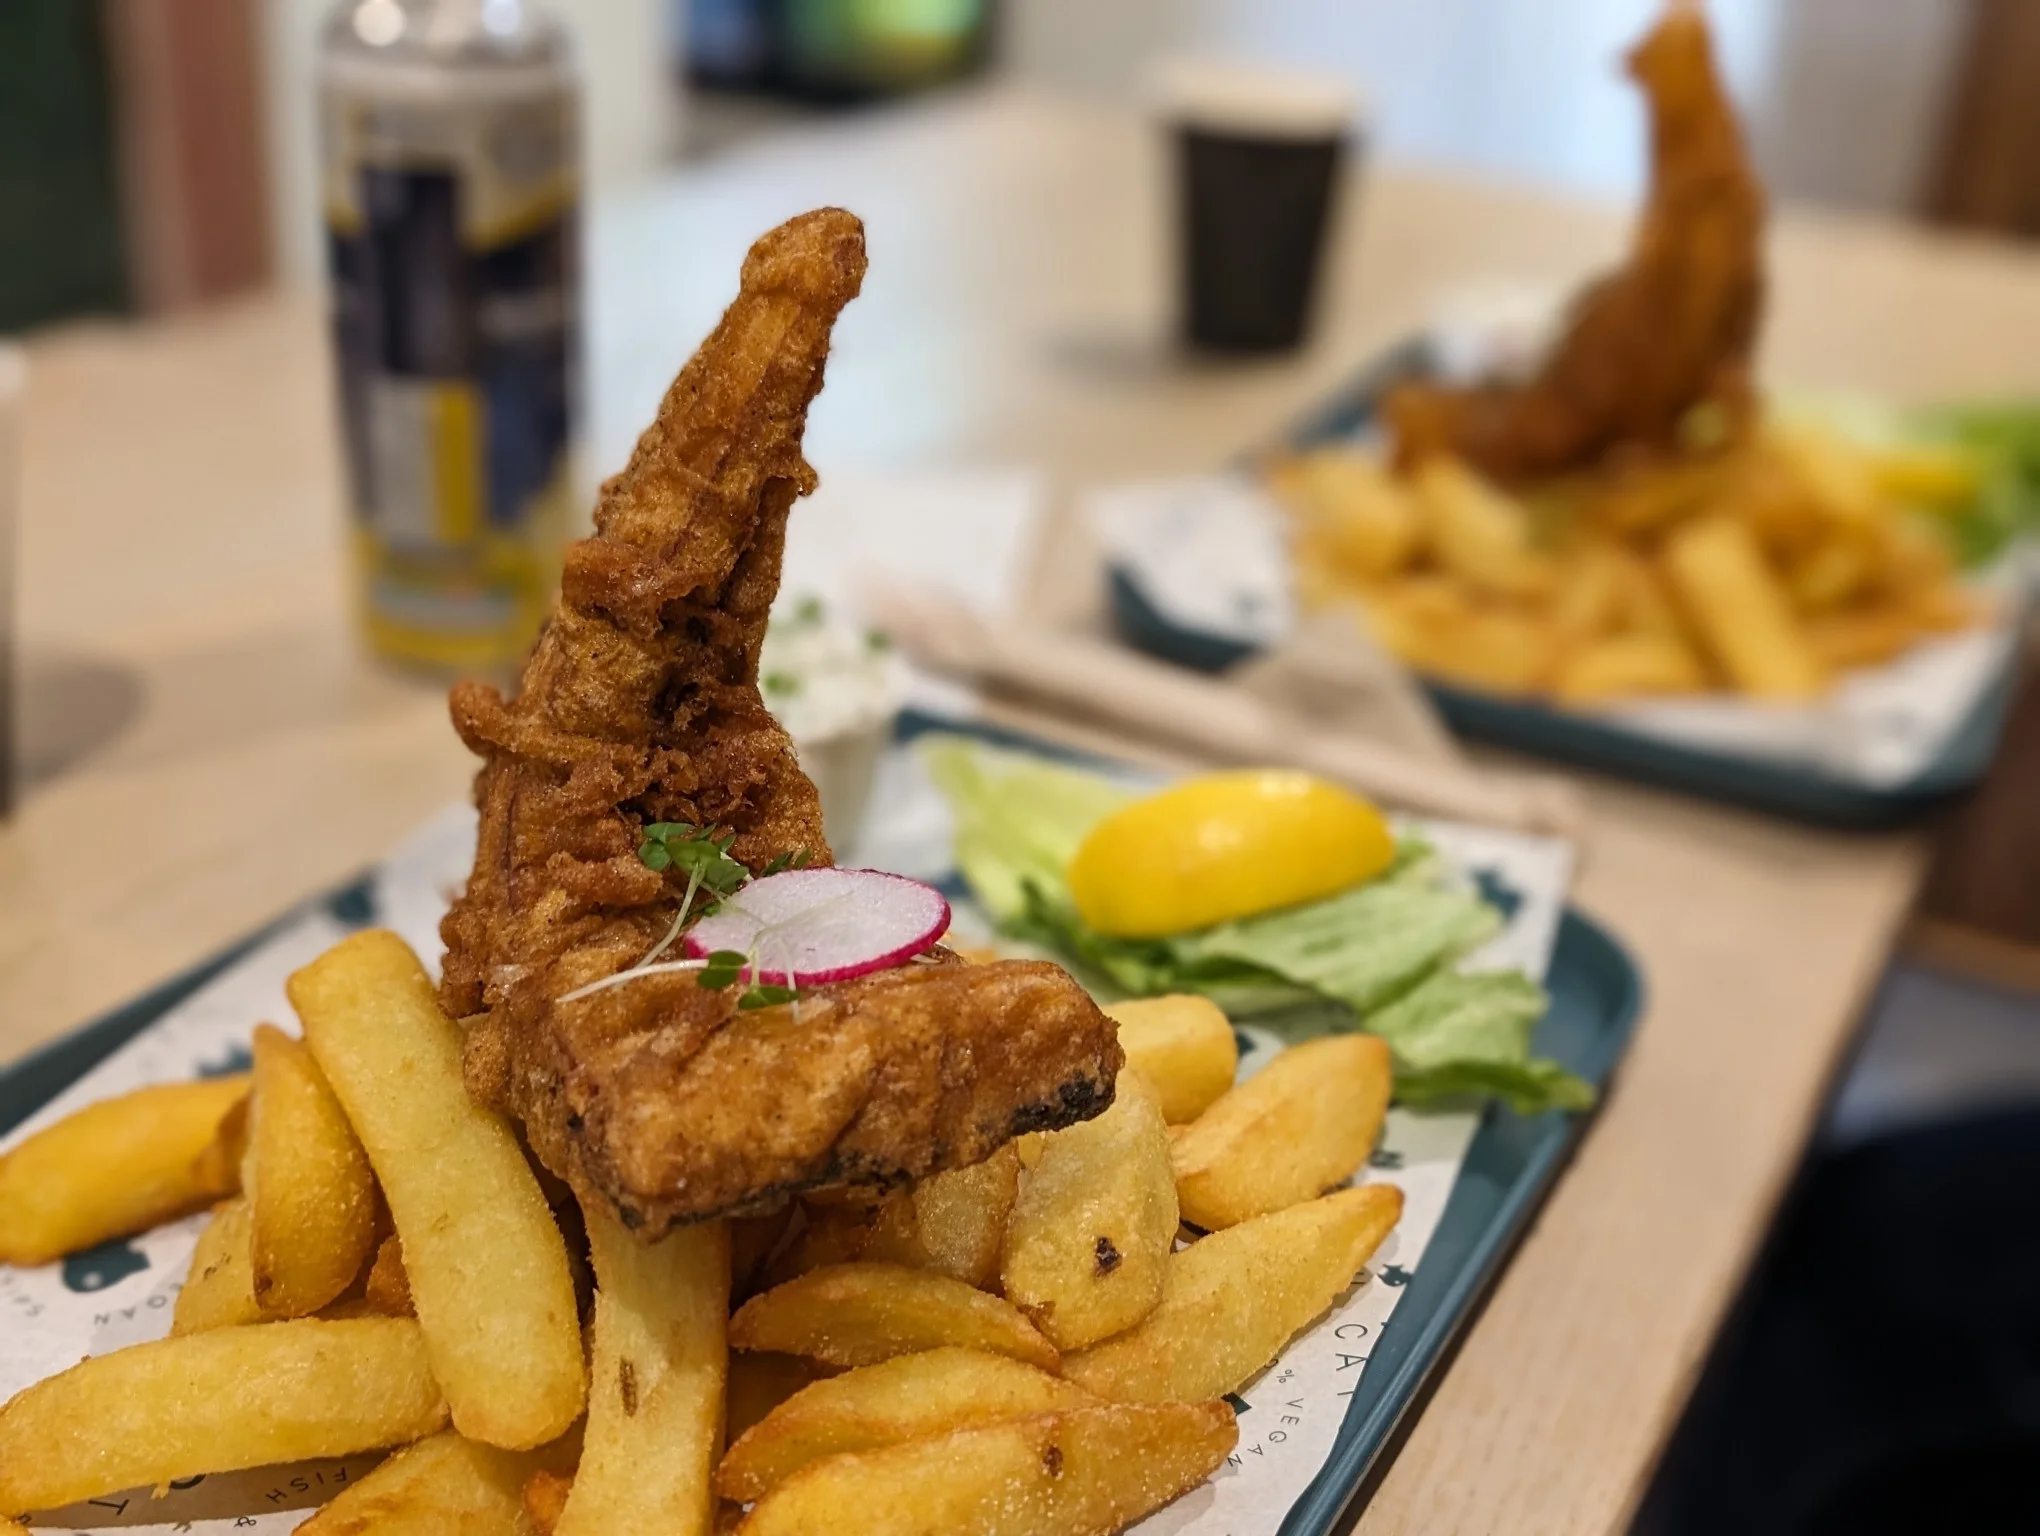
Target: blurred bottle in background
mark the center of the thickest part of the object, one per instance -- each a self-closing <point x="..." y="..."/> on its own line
<point x="451" y="179"/>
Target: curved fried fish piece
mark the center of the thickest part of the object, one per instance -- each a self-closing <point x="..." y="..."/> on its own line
<point x="1672" y="328"/>
<point x="640" y="704"/>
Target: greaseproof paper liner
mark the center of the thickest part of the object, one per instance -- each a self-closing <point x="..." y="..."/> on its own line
<point x="122" y="1292"/>
<point x="1211" y="554"/>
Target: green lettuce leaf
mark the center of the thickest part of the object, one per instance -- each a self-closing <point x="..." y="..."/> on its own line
<point x="1381" y="957"/>
<point x="1150" y="967"/>
<point x="2006" y="509"/>
<point x="2001" y="438"/>
<point x="1019" y="820"/>
<point x="1462" y="1032"/>
<point x="1366" y="946"/>
<point x="1528" y="1087"/>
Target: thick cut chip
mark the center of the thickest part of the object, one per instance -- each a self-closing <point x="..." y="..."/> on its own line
<point x="1478" y="532"/>
<point x="1353" y="516"/>
<point x="1090" y="1239"/>
<point x="313" y="1201"/>
<point x="115" y="1167"/>
<point x="1440" y="626"/>
<point x="1861" y="637"/>
<point x="545" y="1499"/>
<point x="1625" y="665"/>
<point x="1299" y="1126"/>
<point x="953" y="1222"/>
<point x="216" y="1402"/>
<point x="1081" y="1472"/>
<point x="219" y="1292"/>
<point x="223" y="1165"/>
<point x="1233" y="1299"/>
<point x="655" y="1397"/>
<point x="831" y="1232"/>
<point x="1588" y="602"/>
<point x="444" y="1486"/>
<point x="1182" y="1046"/>
<point x="860" y="1314"/>
<point x="906" y="1398"/>
<point x="1741" y="611"/>
<point x="388" y="1288"/>
<point x="753" y="1241"/>
<point x="759" y="1382"/>
<point x="487" y="1266"/>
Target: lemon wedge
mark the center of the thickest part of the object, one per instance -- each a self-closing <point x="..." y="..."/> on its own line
<point x="1225" y="845"/>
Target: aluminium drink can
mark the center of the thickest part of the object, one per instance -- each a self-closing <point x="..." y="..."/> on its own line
<point x="451" y="183"/>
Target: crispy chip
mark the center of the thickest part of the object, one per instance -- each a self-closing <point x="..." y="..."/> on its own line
<point x="860" y="1314"/>
<point x="545" y="1499"/>
<point x="904" y="1398"/>
<point x="1622" y="666"/>
<point x="954" y="1222"/>
<point x="438" y="1486"/>
<point x="759" y="1382"/>
<point x="1299" y="1126"/>
<point x="312" y="1210"/>
<point x="1741" y="611"/>
<point x="1182" y="1046"/>
<point x="219" y="1290"/>
<point x="1090" y="1238"/>
<point x="487" y="1265"/>
<point x="118" y="1166"/>
<point x="655" y="1399"/>
<point x="1081" y="1472"/>
<point x="216" y="1402"/>
<point x="1233" y="1299"/>
<point x="388" y="1290"/>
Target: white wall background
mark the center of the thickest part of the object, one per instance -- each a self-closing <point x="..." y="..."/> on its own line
<point x="1841" y="95"/>
<point x="1857" y="94"/>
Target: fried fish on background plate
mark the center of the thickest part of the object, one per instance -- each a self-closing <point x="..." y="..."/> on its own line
<point x="640" y="705"/>
<point x="1672" y="328"/>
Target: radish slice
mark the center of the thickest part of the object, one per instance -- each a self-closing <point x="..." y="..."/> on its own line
<point x="809" y="927"/>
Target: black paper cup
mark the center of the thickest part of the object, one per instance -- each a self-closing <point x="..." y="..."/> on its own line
<point x="1258" y="156"/>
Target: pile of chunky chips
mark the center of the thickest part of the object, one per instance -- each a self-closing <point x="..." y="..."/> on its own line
<point x="1768" y="566"/>
<point x="1039" y="1345"/>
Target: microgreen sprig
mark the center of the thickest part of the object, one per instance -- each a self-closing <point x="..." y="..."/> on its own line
<point x="697" y="851"/>
<point x="723" y="968"/>
<point x="800" y="858"/>
<point x="705" y="857"/>
<point x="726" y="966"/>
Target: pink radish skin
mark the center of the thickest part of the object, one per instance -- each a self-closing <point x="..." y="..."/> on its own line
<point x="809" y="927"/>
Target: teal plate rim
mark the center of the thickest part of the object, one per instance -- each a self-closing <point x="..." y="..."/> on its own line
<point x="1597" y="996"/>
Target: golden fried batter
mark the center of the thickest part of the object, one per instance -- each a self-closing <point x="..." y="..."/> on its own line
<point x="640" y="704"/>
<point x="1671" y="329"/>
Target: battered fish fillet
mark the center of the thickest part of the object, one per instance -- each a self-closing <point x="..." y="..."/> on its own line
<point x="640" y="704"/>
<point x="1671" y="329"/>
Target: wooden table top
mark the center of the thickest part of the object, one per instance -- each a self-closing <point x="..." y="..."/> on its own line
<point x="187" y="643"/>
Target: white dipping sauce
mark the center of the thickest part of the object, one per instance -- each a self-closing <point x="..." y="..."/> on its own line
<point x="836" y="689"/>
<point x="822" y="677"/>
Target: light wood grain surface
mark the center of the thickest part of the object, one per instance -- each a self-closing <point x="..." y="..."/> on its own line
<point x="230" y="751"/>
